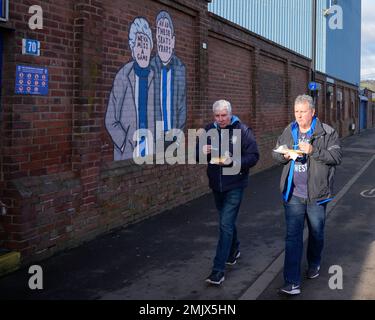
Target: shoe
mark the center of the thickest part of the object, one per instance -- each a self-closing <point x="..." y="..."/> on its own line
<point x="232" y="260"/>
<point x="312" y="273"/>
<point x="290" y="289"/>
<point x="216" y="278"/>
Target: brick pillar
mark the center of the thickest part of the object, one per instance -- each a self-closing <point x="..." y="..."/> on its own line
<point x="201" y="80"/>
<point x="87" y="107"/>
<point x="288" y="85"/>
<point x="255" y="87"/>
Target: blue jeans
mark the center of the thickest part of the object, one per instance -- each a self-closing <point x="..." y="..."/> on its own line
<point x="296" y="210"/>
<point x="228" y="204"/>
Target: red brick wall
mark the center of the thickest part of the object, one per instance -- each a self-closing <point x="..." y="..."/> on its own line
<point x="229" y="76"/>
<point x="259" y="78"/>
<point x="57" y="173"/>
<point x="37" y="130"/>
<point x="59" y="179"/>
<point x="349" y="102"/>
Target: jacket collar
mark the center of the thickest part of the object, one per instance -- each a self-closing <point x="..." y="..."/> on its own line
<point x="233" y="121"/>
<point x="315" y="131"/>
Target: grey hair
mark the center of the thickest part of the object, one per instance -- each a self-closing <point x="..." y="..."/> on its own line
<point x="165" y="15"/>
<point x="222" y="104"/>
<point x="304" y="98"/>
<point x="139" y="25"/>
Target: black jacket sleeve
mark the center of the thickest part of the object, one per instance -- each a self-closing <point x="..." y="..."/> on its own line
<point x="249" y="149"/>
<point x="281" y="141"/>
<point x="331" y="153"/>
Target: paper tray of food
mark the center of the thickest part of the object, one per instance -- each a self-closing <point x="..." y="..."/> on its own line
<point x="285" y="149"/>
<point x="220" y="160"/>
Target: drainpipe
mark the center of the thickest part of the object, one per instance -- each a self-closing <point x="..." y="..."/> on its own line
<point x="313" y="53"/>
<point x="3" y="209"/>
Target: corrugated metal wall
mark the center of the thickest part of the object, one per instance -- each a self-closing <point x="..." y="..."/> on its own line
<point x="321" y="37"/>
<point x="286" y="22"/>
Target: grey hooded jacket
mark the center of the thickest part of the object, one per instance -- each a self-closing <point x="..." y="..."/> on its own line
<point x="327" y="154"/>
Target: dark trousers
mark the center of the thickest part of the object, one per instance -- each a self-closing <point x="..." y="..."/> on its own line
<point x="296" y="211"/>
<point x="228" y="204"/>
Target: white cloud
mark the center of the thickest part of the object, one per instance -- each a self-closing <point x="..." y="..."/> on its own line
<point x="368" y="39"/>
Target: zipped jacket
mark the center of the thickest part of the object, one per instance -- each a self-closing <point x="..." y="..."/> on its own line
<point x="249" y="158"/>
<point x="321" y="164"/>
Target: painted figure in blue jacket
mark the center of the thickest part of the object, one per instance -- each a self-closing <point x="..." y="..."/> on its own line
<point x="170" y="77"/>
<point x="228" y="189"/>
<point x="306" y="185"/>
<point x="131" y="102"/>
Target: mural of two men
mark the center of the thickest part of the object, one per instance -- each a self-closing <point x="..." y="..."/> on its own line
<point x="147" y="89"/>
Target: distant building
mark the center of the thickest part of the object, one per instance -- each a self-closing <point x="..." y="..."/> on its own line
<point x="289" y="23"/>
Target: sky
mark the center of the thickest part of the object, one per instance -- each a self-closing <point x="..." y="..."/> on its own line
<point x="368" y="40"/>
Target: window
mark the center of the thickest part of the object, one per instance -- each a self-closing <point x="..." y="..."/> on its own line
<point x="4" y="6"/>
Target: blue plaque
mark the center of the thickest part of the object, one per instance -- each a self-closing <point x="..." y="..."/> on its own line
<point x="31" y="80"/>
<point x="31" y="47"/>
<point x="314" y="86"/>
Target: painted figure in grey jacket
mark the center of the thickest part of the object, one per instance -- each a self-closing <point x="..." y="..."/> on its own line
<point x="307" y="186"/>
<point x="131" y="102"/>
<point x="170" y="77"/>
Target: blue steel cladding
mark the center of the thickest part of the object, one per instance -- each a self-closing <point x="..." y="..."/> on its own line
<point x="286" y="22"/>
<point x="344" y="46"/>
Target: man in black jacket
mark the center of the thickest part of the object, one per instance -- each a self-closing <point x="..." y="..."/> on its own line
<point x="228" y="186"/>
<point x="306" y="185"/>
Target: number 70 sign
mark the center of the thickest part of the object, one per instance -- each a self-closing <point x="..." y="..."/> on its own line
<point x="31" y="47"/>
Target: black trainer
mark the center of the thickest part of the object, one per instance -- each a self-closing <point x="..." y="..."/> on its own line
<point x="232" y="260"/>
<point x="312" y="273"/>
<point x="216" y="278"/>
<point x="290" y="289"/>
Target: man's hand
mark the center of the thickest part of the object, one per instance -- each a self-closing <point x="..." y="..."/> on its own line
<point x="206" y="149"/>
<point x="228" y="161"/>
<point x="306" y="147"/>
<point x="287" y="156"/>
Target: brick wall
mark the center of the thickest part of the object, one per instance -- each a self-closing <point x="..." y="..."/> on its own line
<point x="260" y="78"/>
<point x="36" y="131"/>
<point x="327" y="105"/>
<point x="58" y="177"/>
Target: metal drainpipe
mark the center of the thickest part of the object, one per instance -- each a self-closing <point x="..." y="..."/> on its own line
<point x="313" y="54"/>
<point x="3" y="207"/>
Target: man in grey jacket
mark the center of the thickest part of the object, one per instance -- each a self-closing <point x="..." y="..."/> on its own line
<point x="306" y="185"/>
<point x="131" y="102"/>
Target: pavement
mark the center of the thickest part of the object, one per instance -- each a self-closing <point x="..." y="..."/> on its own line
<point x="168" y="256"/>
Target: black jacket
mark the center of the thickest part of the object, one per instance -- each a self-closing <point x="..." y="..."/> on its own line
<point x="248" y="158"/>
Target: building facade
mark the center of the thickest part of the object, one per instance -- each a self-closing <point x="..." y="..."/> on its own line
<point x="70" y="84"/>
<point x="289" y="23"/>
